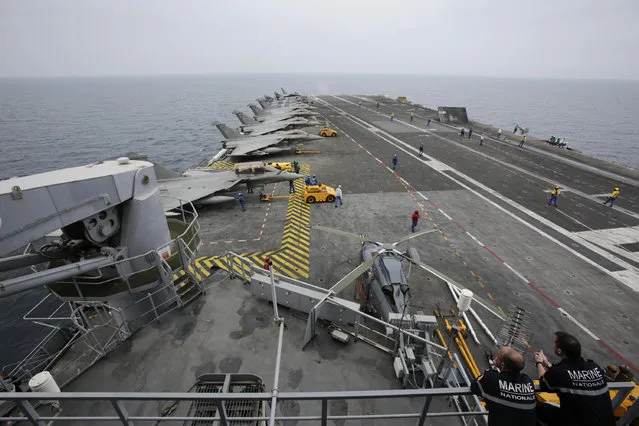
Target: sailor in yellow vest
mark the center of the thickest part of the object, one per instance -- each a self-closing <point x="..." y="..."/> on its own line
<point x="412" y="115"/>
<point x="523" y="140"/>
<point x="553" y="196"/>
<point x="392" y="116"/>
<point x="612" y="197"/>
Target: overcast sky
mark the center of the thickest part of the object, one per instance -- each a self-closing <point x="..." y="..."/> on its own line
<point x="537" y="38"/>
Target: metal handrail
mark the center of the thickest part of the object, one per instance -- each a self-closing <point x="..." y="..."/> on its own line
<point x="323" y="398"/>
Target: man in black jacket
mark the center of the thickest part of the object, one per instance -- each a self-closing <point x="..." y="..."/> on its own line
<point x="509" y="394"/>
<point x="580" y="384"/>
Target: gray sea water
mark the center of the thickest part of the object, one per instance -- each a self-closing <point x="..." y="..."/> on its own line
<point x="47" y="124"/>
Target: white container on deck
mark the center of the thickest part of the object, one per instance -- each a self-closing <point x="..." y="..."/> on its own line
<point x="465" y="297"/>
<point x="43" y="382"/>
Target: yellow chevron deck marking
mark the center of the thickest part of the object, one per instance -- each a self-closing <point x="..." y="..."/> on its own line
<point x="299" y="263"/>
<point x="301" y="253"/>
<point x="292" y="257"/>
<point x="286" y="268"/>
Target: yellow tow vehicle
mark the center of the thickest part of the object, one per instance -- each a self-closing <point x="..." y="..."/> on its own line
<point x="318" y="194"/>
<point x="327" y="132"/>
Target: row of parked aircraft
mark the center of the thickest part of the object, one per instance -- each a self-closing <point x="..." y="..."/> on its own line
<point x="275" y="127"/>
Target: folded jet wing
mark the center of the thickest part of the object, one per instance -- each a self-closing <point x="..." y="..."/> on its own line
<point x="212" y="187"/>
<point x="274" y="126"/>
<point x="280" y="113"/>
<point x="243" y="145"/>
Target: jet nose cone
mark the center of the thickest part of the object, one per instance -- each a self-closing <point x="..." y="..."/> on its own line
<point x="291" y="176"/>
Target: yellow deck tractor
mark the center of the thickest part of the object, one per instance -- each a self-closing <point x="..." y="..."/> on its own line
<point x="327" y="132"/>
<point x="318" y="194"/>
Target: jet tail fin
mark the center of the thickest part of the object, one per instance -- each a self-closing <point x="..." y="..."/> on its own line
<point x="227" y="132"/>
<point x="278" y="96"/>
<point x="245" y="119"/>
<point x="162" y="172"/>
<point x="283" y="91"/>
<point x="262" y="103"/>
<point x="257" y="111"/>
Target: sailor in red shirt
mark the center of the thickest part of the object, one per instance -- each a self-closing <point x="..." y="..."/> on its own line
<point x="415" y="216"/>
<point x="267" y="263"/>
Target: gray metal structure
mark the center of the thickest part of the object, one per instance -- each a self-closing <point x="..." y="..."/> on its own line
<point x="97" y="237"/>
<point x="203" y="187"/>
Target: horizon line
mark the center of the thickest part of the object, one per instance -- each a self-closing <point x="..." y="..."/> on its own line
<point x="302" y="73"/>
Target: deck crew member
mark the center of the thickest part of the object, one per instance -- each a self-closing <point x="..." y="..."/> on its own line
<point x="421" y="149"/>
<point x="268" y="263"/>
<point x="509" y="394"/>
<point x="415" y="217"/>
<point x="291" y="187"/>
<point x="481" y="140"/>
<point x="580" y="384"/>
<point x="470" y="133"/>
<point x="499" y="134"/>
<point x="377" y="105"/>
<point x="296" y="166"/>
<point x="612" y="197"/>
<point x="395" y="160"/>
<point x="239" y="198"/>
<point x="428" y="123"/>
<point x="412" y="115"/>
<point x="360" y="103"/>
<point x="461" y="132"/>
<point x="307" y="180"/>
<point x="314" y="180"/>
<point x="392" y="116"/>
<point x="338" y="195"/>
<point x="553" y="196"/>
<point x="523" y="140"/>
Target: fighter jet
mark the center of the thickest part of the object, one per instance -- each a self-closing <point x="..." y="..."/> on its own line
<point x="285" y="94"/>
<point x="263" y="116"/>
<point x="274" y="126"/>
<point x="241" y="145"/>
<point x="299" y="102"/>
<point x="204" y="188"/>
<point x="280" y="107"/>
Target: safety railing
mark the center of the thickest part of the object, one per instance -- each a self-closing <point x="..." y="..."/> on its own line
<point x="41" y="355"/>
<point x="127" y="402"/>
<point x="89" y="319"/>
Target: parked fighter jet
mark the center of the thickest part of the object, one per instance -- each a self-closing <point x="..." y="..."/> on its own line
<point x="274" y="126"/>
<point x="286" y="94"/>
<point x="268" y="113"/>
<point x="241" y="145"/>
<point x="275" y="116"/>
<point x="204" y="188"/>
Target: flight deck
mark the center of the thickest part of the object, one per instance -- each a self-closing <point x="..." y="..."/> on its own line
<point x="573" y="268"/>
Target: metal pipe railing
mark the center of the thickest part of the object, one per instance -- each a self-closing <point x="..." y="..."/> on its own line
<point x="323" y="398"/>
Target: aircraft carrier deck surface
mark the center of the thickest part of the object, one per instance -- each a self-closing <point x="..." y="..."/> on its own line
<point x="574" y="268"/>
